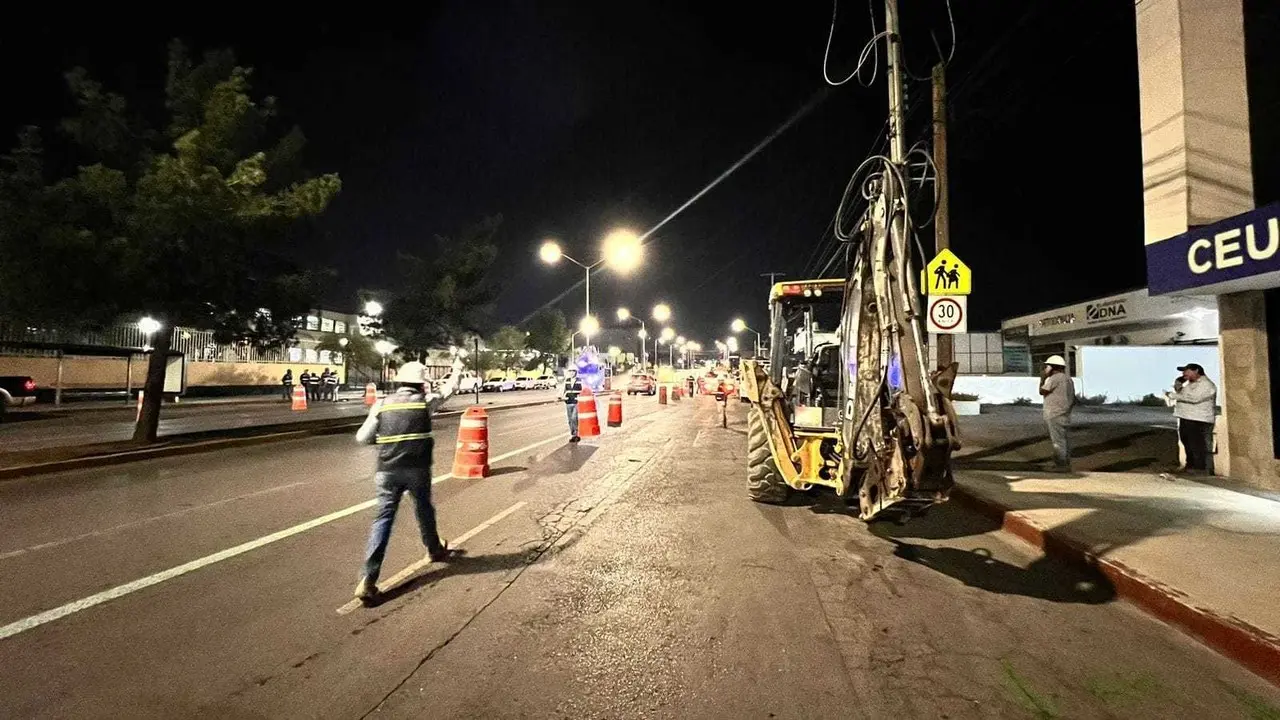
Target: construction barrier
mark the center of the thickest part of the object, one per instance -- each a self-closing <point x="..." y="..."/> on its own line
<point x="662" y="394"/>
<point x="675" y="392"/>
<point x="370" y="394"/>
<point x="615" y="409"/>
<point x="138" y="417"/>
<point x="588" y="422"/>
<point x="299" y="398"/>
<point x="471" y="458"/>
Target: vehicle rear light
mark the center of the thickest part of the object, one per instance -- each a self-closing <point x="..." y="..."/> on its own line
<point x="29" y="385"/>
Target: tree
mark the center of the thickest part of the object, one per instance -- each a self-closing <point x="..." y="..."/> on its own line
<point x="359" y="351"/>
<point x="508" y="342"/>
<point x="437" y="302"/>
<point x="548" y="333"/>
<point x="187" y="220"/>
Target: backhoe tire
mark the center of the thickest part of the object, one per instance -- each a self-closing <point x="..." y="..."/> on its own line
<point x="764" y="484"/>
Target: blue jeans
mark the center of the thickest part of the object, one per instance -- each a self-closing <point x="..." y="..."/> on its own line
<point x="571" y="409"/>
<point x="391" y="485"/>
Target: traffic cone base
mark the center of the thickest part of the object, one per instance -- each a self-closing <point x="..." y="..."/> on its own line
<point x="471" y="456"/>
<point x="588" y="421"/>
<point x="370" y="394"/>
<point x="615" y="409"/>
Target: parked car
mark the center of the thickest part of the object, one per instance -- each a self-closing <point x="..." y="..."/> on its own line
<point x="468" y="382"/>
<point x="16" y="391"/>
<point x="498" y="385"/>
<point x="526" y="382"/>
<point x="545" y="382"/>
<point x="642" y="385"/>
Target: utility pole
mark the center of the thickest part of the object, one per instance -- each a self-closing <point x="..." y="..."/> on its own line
<point x="941" y="221"/>
<point x="897" y="118"/>
<point x="772" y="277"/>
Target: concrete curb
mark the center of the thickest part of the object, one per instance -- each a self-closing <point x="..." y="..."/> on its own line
<point x="1252" y="647"/>
<point x="269" y="434"/>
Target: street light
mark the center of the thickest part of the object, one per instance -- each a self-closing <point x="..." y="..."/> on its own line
<point x="732" y="343"/>
<point x="662" y="312"/>
<point x="624" y="315"/>
<point x="621" y="249"/>
<point x="588" y="326"/>
<point x="373" y="308"/>
<point x="739" y="325"/>
<point x="384" y="348"/>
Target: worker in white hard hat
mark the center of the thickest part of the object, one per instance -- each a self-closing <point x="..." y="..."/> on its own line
<point x="400" y="425"/>
<point x="1059" y="395"/>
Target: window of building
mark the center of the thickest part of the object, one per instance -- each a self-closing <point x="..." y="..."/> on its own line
<point x="313" y="322"/>
<point x="339" y="327"/>
<point x="326" y="325"/>
<point x="295" y="354"/>
<point x="324" y="356"/>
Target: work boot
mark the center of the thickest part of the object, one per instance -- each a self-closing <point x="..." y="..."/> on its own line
<point x="367" y="591"/>
<point x="441" y="554"/>
<point x="575" y="439"/>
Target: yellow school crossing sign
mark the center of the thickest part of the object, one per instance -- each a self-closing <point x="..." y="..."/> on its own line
<point x="946" y="274"/>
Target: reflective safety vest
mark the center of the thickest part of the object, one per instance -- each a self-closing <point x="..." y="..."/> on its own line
<point x="404" y="432"/>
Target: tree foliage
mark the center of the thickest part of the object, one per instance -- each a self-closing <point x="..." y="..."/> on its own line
<point x="185" y="219"/>
<point x="548" y="332"/>
<point x="438" y="301"/>
<point x="508" y="342"/>
<point x="359" y="352"/>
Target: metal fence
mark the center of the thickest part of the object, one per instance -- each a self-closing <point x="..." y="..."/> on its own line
<point x="196" y="345"/>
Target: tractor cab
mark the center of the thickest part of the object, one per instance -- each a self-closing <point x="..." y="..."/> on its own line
<point x="804" y="320"/>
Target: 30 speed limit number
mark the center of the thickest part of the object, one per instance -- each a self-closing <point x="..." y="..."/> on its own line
<point x="948" y="314"/>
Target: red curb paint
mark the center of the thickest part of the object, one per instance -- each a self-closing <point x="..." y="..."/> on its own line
<point x="1252" y="647"/>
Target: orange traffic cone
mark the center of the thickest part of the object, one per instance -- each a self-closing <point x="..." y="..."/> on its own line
<point x="471" y="459"/>
<point x="370" y="394"/>
<point x="299" y="398"/>
<point x="588" y="422"/>
<point x="139" y="415"/>
<point x="662" y="394"/>
<point x="615" y="409"/>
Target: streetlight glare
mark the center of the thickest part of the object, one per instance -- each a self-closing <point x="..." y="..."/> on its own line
<point x="680" y="340"/>
<point x="550" y="252"/>
<point x="373" y="308"/>
<point x="614" y="351"/>
<point x="662" y="312"/>
<point x="739" y="325"/>
<point x="643" y="334"/>
<point x="588" y="325"/>
<point x="623" y="251"/>
<point x="732" y="343"/>
<point x="667" y="334"/>
<point x="149" y="325"/>
<point x="624" y="314"/>
<point x="384" y="347"/>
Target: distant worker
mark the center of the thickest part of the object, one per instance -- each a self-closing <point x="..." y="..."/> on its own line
<point x="1059" y="396"/>
<point x="569" y="392"/>
<point x="305" y="380"/>
<point x="287" y="383"/>
<point x="331" y="386"/>
<point x="1195" y="399"/>
<point x="400" y="425"/>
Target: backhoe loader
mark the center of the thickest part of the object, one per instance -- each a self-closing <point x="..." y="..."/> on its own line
<point x="848" y="401"/>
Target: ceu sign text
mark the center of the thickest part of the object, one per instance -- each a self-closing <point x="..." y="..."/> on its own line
<point x="1239" y="253"/>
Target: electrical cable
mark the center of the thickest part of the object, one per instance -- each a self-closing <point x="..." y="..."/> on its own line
<point x="868" y="50"/>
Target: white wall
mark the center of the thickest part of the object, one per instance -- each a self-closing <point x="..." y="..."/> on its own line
<point x="1002" y="389"/>
<point x="1128" y="373"/>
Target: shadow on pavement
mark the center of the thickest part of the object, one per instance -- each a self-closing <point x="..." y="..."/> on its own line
<point x="495" y="472"/>
<point x="568" y="458"/>
<point x="1045" y="579"/>
<point x="942" y="522"/>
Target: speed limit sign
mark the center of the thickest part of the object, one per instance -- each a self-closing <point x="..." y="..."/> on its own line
<point x="948" y="314"/>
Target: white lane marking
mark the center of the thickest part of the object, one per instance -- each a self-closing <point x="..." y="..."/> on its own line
<point x="142" y="521"/>
<point x="119" y="591"/>
<point x="413" y="569"/>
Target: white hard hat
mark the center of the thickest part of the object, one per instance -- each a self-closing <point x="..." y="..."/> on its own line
<point x="1056" y="360"/>
<point x="412" y="373"/>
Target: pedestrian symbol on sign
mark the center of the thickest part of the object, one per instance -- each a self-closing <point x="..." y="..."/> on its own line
<point x="948" y="275"/>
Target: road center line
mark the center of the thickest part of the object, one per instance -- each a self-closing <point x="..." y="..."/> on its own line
<point x="48" y="616"/>
<point x="410" y="571"/>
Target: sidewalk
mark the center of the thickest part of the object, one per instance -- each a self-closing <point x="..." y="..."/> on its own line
<point x="1203" y="558"/>
<point x="118" y="403"/>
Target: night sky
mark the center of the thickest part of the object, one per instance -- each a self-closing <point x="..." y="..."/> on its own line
<point x="574" y="119"/>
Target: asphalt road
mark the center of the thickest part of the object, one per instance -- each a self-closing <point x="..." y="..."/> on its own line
<point x="623" y="577"/>
<point x="24" y="431"/>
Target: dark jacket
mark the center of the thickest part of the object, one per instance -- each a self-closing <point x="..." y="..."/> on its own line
<point x="400" y="425"/>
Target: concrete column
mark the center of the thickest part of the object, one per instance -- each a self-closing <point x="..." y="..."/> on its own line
<point x="1196" y="170"/>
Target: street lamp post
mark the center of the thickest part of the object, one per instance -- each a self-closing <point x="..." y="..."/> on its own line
<point x="624" y="315"/>
<point x="739" y="325"/>
<point x="384" y="348"/>
<point x="622" y="250"/>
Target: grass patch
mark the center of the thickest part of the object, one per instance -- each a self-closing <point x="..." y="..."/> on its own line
<point x="1091" y="399"/>
<point x="964" y="397"/>
<point x="1042" y="707"/>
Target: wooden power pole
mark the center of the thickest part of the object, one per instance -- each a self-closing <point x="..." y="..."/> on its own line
<point x="941" y="221"/>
